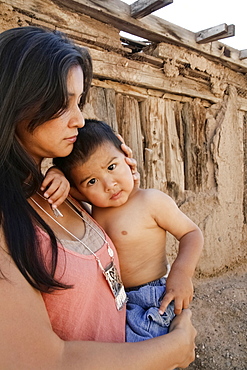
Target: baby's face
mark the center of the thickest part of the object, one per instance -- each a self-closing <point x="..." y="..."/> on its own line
<point x="105" y="180"/>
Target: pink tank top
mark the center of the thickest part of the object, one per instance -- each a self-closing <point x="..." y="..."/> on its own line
<point x="88" y="310"/>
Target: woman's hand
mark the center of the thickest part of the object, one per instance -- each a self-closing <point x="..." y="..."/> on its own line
<point x="130" y="161"/>
<point x="188" y="333"/>
<point x="55" y="186"/>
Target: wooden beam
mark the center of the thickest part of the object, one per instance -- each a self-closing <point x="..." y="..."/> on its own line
<point x="117" y="14"/>
<point x="243" y="54"/>
<point x="152" y="28"/>
<point x="215" y="33"/>
<point x="207" y="34"/>
<point x="114" y="67"/>
<point x="141" y="8"/>
<point x="229" y="33"/>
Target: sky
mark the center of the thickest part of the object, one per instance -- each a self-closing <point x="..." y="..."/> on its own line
<point x="197" y="15"/>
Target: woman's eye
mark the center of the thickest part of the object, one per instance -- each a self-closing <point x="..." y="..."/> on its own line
<point x="92" y="182"/>
<point x="80" y="105"/>
<point x="80" y="102"/>
<point x="111" y="167"/>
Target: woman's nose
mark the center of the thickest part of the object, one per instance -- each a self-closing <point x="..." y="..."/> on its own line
<point x="82" y="120"/>
<point x="77" y="118"/>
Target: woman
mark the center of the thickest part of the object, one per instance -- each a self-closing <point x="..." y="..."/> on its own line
<point x="62" y="304"/>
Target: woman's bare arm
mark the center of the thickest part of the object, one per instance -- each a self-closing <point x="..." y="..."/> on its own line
<point x="27" y="340"/>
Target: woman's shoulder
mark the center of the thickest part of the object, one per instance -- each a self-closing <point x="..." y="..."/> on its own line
<point x="23" y="315"/>
<point x="12" y="279"/>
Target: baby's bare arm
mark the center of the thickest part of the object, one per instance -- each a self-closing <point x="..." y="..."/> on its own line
<point x="179" y="285"/>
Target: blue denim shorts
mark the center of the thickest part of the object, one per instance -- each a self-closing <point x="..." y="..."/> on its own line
<point x="143" y="320"/>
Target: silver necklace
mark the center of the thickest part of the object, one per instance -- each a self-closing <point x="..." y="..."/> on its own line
<point x="110" y="272"/>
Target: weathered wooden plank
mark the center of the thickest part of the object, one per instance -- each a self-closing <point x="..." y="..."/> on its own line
<point x="152" y="28"/>
<point x="243" y="54"/>
<point x="141" y="8"/>
<point x="163" y="163"/>
<point x="101" y="105"/>
<point x="211" y="33"/>
<point x="230" y="32"/>
<point x="117" y="68"/>
<point x="141" y="93"/>
<point x="153" y="122"/>
<point x="79" y="27"/>
<point x="242" y="104"/>
<point x="129" y="126"/>
<point x="195" y="150"/>
<point x="117" y="13"/>
<point x="145" y="58"/>
<point x="174" y="157"/>
<point x="215" y="33"/>
<point x="71" y="17"/>
<point x="97" y="104"/>
<point x="188" y="62"/>
<point x="245" y="167"/>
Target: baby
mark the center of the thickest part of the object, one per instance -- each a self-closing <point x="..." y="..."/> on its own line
<point x="137" y="220"/>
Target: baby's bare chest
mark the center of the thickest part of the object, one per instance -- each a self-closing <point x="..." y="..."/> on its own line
<point x="137" y="230"/>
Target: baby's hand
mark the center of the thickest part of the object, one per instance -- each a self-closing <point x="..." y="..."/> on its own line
<point x="179" y="288"/>
<point x="55" y="186"/>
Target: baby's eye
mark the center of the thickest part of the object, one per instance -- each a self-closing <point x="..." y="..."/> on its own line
<point x="112" y="167"/>
<point x="92" y="182"/>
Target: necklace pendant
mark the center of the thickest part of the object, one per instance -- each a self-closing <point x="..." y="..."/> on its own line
<point x="110" y="251"/>
<point x="56" y="212"/>
<point x="115" y="283"/>
<point x="121" y="298"/>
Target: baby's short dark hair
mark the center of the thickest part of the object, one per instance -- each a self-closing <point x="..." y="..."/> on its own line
<point x="90" y="137"/>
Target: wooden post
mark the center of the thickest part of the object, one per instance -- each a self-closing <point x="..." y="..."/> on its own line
<point x="141" y="8"/>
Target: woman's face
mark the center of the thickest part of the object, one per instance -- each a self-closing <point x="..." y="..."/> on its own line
<point x="55" y="138"/>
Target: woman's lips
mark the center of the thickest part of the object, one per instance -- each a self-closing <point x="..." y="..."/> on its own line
<point x="72" y="139"/>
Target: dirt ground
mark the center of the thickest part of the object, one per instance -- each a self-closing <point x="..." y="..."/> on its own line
<point x="220" y="317"/>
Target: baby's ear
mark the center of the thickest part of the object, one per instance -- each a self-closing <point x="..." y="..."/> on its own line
<point x="76" y="194"/>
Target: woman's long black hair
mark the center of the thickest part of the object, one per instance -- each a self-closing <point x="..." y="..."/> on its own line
<point x="34" y="65"/>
